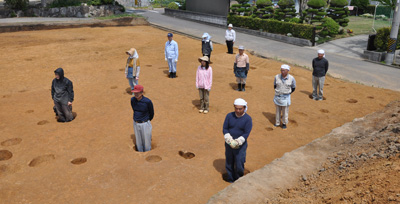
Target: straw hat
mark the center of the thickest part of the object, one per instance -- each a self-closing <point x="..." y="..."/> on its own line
<point x="204" y="58"/>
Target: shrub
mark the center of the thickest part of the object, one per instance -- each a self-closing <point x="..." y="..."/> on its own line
<point x="17" y="4"/>
<point x="338" y="13"/>
<point x="382" y="36"/>
<point x="296" y="20"/>
<point x="329" y="27"/>
<point x="316" y="3"/>
<point x="263" y="3"/>
<point x="173" y="5"/>
<point x="315" y="13"/>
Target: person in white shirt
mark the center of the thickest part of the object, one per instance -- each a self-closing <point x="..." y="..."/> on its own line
<point x="171" y="55"/>
<point x="230" y="37"/>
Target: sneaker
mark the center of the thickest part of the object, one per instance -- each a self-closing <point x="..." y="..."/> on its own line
<point x="201" y="111"/>
<point x="276" y="125"/>
<point x="320" y="99"/>
<point x="284" y="126"/>
<point x="205" y="111"/>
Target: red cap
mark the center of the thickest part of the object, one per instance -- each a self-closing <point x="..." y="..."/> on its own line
<point x="137" y="89"/>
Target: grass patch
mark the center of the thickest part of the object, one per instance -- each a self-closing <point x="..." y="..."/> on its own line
<point x="361" y="25"/>
<point x="119" y="16"/>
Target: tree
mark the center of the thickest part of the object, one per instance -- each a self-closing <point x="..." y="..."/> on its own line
<point x="338" y="12"/>
<point x="315" y="13"/>
<point x="264" y="9"/>
<point x="391" y="3"/>
<point x="286" y="10"/>
<point x="361" y="4"/>
<point x="17" y="4"/>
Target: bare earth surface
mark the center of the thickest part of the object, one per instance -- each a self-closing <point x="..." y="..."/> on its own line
<point x="92" y="159"/>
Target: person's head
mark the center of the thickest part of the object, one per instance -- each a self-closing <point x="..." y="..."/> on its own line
<point x="240" y="106"/>
<point x="204" y="61"/>
<point x="321" y="54"/>
<point x="170" y="36"/>
<point x="138" y="92"/>
<point x="131" y="52"/>
<point x="241" y="50"/>
<point x="230" y="26"/>
<point x="205" y="36"/>
<point x="59" y="73"/>
<point x="285" y="70"/>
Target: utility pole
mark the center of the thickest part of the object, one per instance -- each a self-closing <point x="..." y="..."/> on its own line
<point x="391" y="49"/>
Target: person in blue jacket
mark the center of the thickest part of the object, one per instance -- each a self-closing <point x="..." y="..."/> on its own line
<point x="236" y="130"/>
<point x="171" y="55"/>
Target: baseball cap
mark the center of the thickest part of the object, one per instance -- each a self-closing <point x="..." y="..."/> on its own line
<point x="170" y="35"/>
<point x="138" y="88"/>
<point x="241" y="47"/>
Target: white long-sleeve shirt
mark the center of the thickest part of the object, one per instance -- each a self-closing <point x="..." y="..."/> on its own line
<point x="171" y="50"/>
<point x="230" y="35"/>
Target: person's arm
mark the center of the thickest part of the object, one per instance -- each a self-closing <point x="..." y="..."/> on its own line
<point x="151" y="110"/>
<point x="226" y="35"/>
<point x="197" y="78"/>
<point x="274" y="82"/>
<point x="70" y="90"/>
<point x="227" y="136"/>
<point x="210" y="79"/>
<point x="293" y="85"/>
<point x="326" y="66"/>
<point x="52" y="89"/>
<point x="313" y="64"/>
<point x="234" y="36"/>
<point x="247" y="129"/>
<point x="165" y="51"/>
<point x="176" y="52"/>
<point x="211" y="45"/>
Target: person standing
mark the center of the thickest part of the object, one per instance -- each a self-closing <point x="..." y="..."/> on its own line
<point x="241" y="68"/>
<point x="132" y="68"/>
<point x="62" y="93"/>
<point x="206" y="45"/>
<point x="171" y="55"/>
<point x="284" y="85"/>
<point x="230" y="37"/>
<point x="204" y="83"/>
<point x="320" y="67"/>
<point x="143" y="113"/>
<point x="236" y="129"/>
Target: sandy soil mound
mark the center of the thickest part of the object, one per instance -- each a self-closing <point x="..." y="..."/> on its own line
<point x="92" y="159"/>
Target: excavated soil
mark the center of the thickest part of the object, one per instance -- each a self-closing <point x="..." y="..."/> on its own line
<point x="187" y="160"/>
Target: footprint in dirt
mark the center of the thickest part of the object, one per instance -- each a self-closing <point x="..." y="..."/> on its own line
<point x="326" y="84"/>
<point x="153" y="158"/>
<point x="5" y="155"/>
<point x="253" y="68"/>
<point x="113" y="87"/>
<point x="11" y="142"/>
<point x="186" y="155"/>
<point x="342" y="87"/>
<point x="7" y="96"/>
<point x="324" y="111"/>
<point x="43" y="122"/>
<point x="293" y="123"/>
<point x="351" y="100"/>
<point x="370" y="97"/>
<point x="301" y="113"/>
<point x="41" y="159"/>
<point x="22" y="91"/>
<point x="79" y="161"/>
<point x="121" y="70"/>
<point x="149" y="65"/>
<point x="29" y="111"/>
<point x="269" y="128"/>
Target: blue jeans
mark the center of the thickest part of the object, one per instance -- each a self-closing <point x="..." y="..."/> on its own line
<point x="133" y="82"/>
<point x="172" y="65"/>
<point x="234" y="161"/>
<point x="143" y="136"/>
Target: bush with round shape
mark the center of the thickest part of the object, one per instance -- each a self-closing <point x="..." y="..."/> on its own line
<point x="329" y="27"/>
<point x="17" y="4"/>
<point x="173" y="5"/>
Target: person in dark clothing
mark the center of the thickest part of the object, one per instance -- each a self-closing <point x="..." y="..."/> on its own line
<point x="206" y="46"/>
<point x="236" y="130"/>
<point x="320" y="68"/>
<point x="62" y="93"/>
<point x="143" y="113"/>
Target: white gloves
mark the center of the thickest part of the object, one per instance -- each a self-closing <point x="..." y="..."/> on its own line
<point x="234" y="144"/>
<point x="240" y="140"/>
<point x="228" y="138"/>
<point x="176" y="60"/>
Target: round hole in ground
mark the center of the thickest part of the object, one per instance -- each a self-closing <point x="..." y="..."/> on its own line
<point x="153" y="158"/>
<point x="186" y="155"/>
<point x="79" y="160"/>
<point x="5" y="155"/>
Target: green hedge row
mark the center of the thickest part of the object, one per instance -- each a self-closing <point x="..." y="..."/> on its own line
<point x="304" y="31"/>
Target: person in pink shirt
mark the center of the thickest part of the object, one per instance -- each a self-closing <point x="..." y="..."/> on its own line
<point x="204" y="83"/>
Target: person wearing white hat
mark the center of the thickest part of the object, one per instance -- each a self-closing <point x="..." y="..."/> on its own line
<point x="171" y="55"/>
<point x="230" y="37"/>
<point x="204" y="83"/>
<point x="284" y="85"/>
<point x="241" y="68"/>
<point x="320" y="67"/>
<point x="206" y="45"/>
<point x="236" y="129"/>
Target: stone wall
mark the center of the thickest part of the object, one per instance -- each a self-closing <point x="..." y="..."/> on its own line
<point x="83" y="11"/>
<point x="203" y="17"/>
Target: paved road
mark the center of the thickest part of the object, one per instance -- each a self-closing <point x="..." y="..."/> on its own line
<point x="344" y="58"/>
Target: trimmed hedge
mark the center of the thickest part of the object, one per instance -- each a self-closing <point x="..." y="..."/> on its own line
<point x="381" y="39"/>
<point x="273" y="26"/>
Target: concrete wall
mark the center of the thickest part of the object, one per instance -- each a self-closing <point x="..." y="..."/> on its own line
<point x="203" y="17"/>
<point x="131" y="3"/>
<point x="214" y="7"/>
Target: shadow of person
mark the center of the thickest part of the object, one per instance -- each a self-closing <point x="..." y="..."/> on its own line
<point x="219" y="165"/>
<point x="307" y="93"/>
<point x="134" y="141"/>
<point x="234" y="86"/>
<point x="196" y="103"/>
<point x="270" y="117"/>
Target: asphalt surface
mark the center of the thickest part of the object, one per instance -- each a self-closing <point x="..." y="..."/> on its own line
<point x="344" y="55"/>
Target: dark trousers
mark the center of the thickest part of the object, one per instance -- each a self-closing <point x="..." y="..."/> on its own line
<point x="229" y="44"/>
<point x="209" y="57"/>
<point x="234" y="162"/>
<point x="64" y="112"/>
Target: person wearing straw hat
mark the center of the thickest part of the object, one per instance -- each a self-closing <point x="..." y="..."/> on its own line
<point x="132" y="68"/>
<point x="230" y="37"/>
<point x="241" y="68"/>
<point x="320" y="67"/>
<point x="206" y="45"/>
<point x="171" y="55"/>
<point x="236" y="129"/>
<point x="204" y="83"/>
<point x="143" y="113"/>
<point x="284" y="85"/>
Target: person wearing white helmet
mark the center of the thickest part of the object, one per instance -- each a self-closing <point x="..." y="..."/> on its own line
<point x="284" y="85"/>
<point x="236" y="129"/>
<point x="320" y="67"/>
<point x="206" y="45"/>
<point x="241" y="68"/>
<point x="230" y="37"/>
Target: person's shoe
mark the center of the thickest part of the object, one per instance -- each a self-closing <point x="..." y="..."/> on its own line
<point x="284" y="126"/>
<point x="205" y="111"/>
<point x="170" y="75"/>
<point x="243" y="87"/>
<point x="320" y="99"/>
<point x="239" y="87"/>
<point x="201" y="111"/>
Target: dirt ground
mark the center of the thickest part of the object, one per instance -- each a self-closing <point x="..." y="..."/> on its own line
<point x="36" y="151"/>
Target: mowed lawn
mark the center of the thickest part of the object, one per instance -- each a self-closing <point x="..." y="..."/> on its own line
<point x="362" y="25"/>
